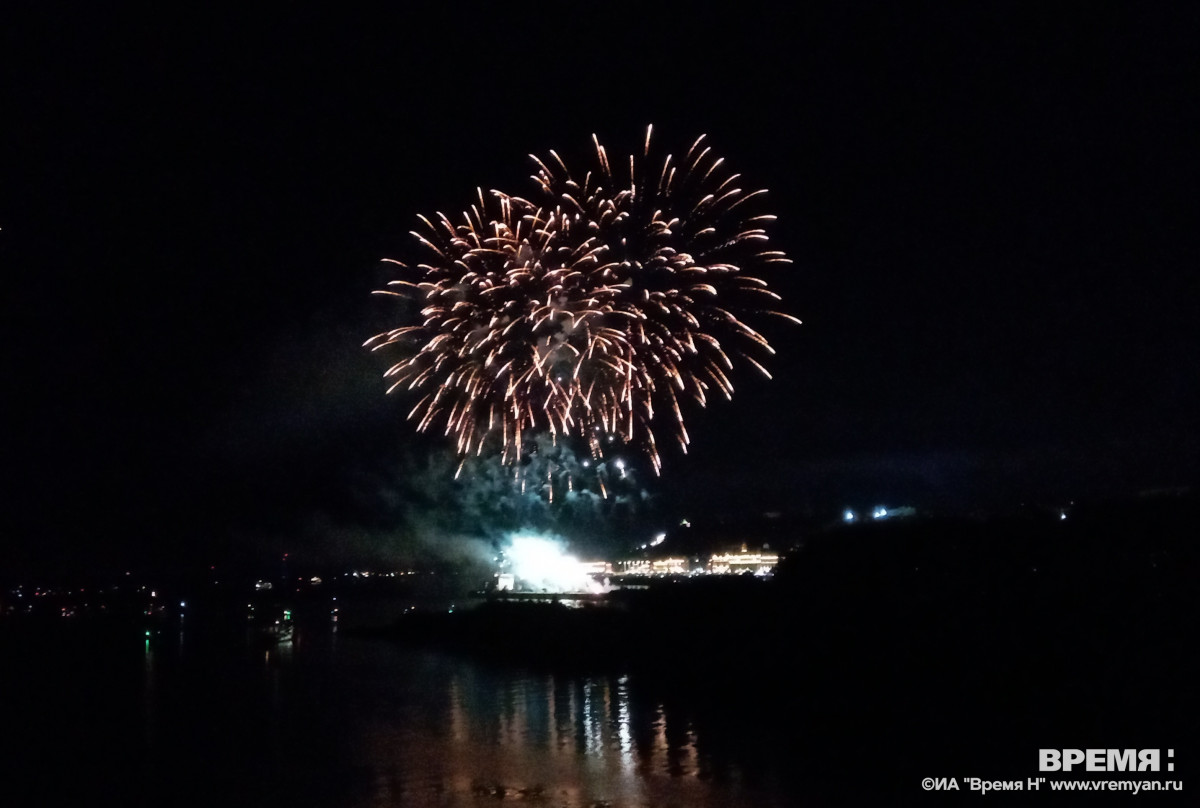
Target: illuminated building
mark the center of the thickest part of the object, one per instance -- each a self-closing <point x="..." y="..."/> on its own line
<point x="538" y="565"/>
<point x="657" y="566"/>
<point x="756" y="562"/>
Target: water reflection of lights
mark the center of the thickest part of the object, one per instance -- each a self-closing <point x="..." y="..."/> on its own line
<point x="149" y="692"/>
<point x="583" y="730"/>
<point x="439" y="730"/>
<point x="521" y="733"/>
<point x="427" y="729"/>
<point x="458" y="724"/>
<point x="623" y="729"/>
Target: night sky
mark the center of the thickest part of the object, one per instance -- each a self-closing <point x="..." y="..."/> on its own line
<point x="992" y="213"/>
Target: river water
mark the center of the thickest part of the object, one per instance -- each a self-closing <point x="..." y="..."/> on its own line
<point x="328" y="719"/>
<point x="841" y="702"/>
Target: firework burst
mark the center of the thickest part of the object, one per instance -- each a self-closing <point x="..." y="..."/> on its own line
<point x="591" y="308"/>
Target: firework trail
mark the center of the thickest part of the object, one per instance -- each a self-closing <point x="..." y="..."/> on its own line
<point x="590" y="308"/>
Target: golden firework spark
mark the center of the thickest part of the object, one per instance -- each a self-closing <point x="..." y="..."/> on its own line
<point x="589" y="309"/>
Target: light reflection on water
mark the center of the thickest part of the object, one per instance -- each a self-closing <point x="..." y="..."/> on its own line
<point x="327" y="720"/>
<point x="475" y="732"/>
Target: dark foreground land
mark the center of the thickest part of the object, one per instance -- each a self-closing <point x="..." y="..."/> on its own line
<point x="901" y="650"/>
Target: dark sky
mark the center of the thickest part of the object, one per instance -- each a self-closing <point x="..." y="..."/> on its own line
<point x="992" y="212"/>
